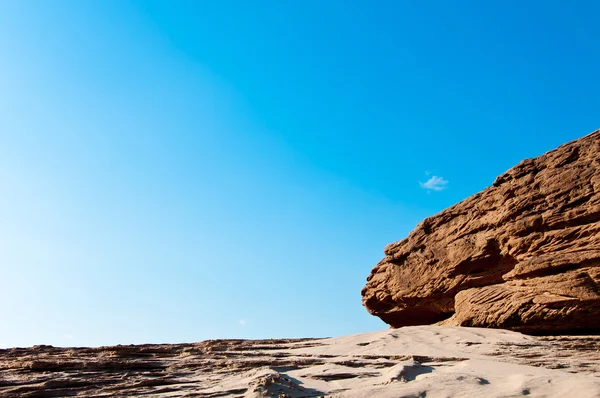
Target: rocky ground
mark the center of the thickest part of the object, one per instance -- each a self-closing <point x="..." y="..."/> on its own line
<point x="413" y="361"/>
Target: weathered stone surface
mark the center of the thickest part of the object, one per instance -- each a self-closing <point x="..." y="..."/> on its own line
<point x="455" y="362"/>
<point x="524" y="254"/>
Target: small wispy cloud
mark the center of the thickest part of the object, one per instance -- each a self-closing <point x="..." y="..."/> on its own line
<point x="68" y="337"/>
<point x="435" y="183"/>
<point x="242" y="322"/>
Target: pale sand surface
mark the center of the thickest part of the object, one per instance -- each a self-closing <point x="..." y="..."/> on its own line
<point x="422" y="361"/>
<point x="432" y="361"/>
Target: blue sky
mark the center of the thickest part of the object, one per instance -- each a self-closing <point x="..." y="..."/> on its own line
<point x="182" y="170"/>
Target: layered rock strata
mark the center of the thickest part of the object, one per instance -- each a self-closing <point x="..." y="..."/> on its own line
<point x="524" y="254"/>
<point x="411" y="362"/>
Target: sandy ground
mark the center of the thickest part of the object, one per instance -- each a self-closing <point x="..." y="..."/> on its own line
<point x="423" y="361"/>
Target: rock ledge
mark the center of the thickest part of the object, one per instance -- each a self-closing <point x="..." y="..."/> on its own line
<point x="524" y="254"/>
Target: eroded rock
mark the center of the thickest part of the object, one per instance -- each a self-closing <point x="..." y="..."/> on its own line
<point x="524" y="254"/>
<point x="415" y="361"/>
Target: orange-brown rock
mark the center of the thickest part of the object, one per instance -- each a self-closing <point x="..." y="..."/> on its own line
<point x="524" y="254"/>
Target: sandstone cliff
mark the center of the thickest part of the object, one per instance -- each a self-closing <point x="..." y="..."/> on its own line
<point x="524" y="254"/>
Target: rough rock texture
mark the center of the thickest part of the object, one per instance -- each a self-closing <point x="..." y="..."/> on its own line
<point x="524" y="254"/>
<point x="409" y="362"/>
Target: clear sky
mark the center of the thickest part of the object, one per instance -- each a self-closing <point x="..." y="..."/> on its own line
<point x="175" y="171"/>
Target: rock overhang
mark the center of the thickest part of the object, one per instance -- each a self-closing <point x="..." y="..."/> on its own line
<point x="524" y="254"/>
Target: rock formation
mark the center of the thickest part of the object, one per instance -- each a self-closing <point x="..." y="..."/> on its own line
<point x="413" y="362"/>
<point x="524" y="254"/>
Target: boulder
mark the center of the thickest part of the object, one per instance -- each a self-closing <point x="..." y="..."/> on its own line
<point x="523" y="254"/>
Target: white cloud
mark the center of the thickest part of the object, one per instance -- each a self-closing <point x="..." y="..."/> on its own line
<point x="435" y="183"/>
<point x="242" y="322"/>
<point x="68" y="337"/>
